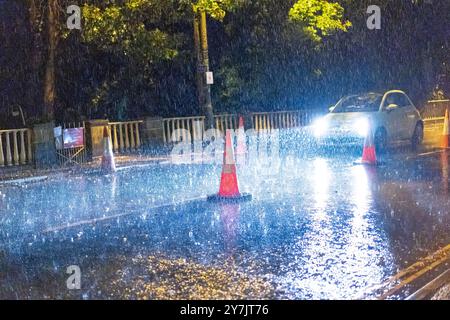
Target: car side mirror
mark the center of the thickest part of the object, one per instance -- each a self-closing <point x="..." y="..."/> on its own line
<point x="331" y="108"/>
<point x="391" y="107"/>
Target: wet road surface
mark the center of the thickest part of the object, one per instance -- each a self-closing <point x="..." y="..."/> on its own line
<point x="318" y="227"/>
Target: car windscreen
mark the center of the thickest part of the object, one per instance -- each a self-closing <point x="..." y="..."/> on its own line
<point x="361" y="103"/>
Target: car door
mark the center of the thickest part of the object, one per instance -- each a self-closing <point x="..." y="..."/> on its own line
<point x="394" y="120"/>
<point x="411" y="116"/>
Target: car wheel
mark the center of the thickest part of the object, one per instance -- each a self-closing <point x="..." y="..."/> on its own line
<point x="380" y="140"/>
<point x="417" y="137"/>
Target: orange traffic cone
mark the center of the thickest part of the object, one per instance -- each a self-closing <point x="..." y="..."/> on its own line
<point x="108" y="163"/>
<point x="241" y="149"/>
<point x="229" y="186"/>
<point x="369" y="156"/>
<point x="445" y="135"/>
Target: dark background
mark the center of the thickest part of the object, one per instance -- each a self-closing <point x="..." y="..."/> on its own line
<point x="260" y="61"/>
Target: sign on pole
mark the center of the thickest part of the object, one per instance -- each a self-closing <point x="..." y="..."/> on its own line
<point x="209" y="77"/>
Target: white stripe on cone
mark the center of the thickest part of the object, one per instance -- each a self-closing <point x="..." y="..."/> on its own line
<point x="229" y="153"/>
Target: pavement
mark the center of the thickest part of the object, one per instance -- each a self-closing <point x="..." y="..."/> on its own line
<point x="28" y="171"/>
<point x="318" y="227"/>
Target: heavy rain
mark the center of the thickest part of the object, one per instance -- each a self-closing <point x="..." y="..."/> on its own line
<point x="236" y="150"/>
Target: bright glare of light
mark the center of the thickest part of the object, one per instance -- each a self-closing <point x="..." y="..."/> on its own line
<point x="321" y="184"/>
<point x="320" y="127"/>
<point x="361" y="195"/>
<point x="361" y="127"/>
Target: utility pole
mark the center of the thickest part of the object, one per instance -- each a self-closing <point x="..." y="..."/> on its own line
<point x="201" y="47"/>
<point x="199" y="68"/>
<point x="208" y="103"/>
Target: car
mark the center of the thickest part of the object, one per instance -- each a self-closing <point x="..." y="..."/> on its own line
<point x="390" y="117"/>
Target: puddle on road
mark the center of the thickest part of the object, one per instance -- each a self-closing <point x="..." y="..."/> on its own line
<point x="318" y="228"/>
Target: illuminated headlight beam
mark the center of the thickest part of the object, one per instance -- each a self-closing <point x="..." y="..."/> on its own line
<point x="320" y="127"/>
<point x="361" y="127"/>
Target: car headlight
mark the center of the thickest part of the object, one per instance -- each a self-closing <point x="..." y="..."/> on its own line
<point x="361" y="127"/>
<point x="320" y="127"/>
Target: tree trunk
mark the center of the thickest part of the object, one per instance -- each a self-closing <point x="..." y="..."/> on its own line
<point x="49" y="78"/>
<point x="36" y="59"/>
<point x="34" y="16"/>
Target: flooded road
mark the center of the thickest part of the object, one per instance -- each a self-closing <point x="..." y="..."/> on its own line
<point x="319" y="227"/>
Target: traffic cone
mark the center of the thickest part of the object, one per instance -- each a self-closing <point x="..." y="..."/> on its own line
<point x="229" y="186"/>
<point x="241" y="149"/>
<point x="108" y="163"/>
<point x="445" y="135"/>
<point x="369" y="156"/>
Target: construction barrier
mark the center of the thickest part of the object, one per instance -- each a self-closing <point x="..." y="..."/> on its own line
<point x="71" y="154"/>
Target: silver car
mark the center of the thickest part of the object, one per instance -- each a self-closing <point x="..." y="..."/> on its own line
<point x="391" y="117"/>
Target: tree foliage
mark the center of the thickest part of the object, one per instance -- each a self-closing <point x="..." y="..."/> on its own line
<point x="216" y="8"/>
<point x="124" y="29"/>
<point x="319" y="17"/>
<point x="136" y="57"/>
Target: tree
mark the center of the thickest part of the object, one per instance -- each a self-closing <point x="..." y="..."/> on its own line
<point x="142" y="32"/>
<point x="319" y="18"/>
<point x="407" y="53"/>
<point x="139" y="38"/>
<point x="217" y="10"/>
<point x="271" y="57"/>
<point x="50" y="75"/>
<point x="138" y="57"/>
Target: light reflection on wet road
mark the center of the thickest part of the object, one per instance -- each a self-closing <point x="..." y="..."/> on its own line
<point x="318" y="228"/>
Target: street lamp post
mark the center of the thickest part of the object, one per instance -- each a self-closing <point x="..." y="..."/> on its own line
<point x="204" y="44"/>
<point x="201" y="47"/>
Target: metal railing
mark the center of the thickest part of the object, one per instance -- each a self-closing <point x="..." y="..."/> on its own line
<point x="283" y="119"/>
<point x="16" y="144"/>
<point x="435" y="110"/>
<point x="193" y="125"/>
<point x="15" y="147"/>
<point x="433" y="120"/>
<point x="226" y="121"/>
<point x="260" y="121"/>
<point x="126" y="136"/>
